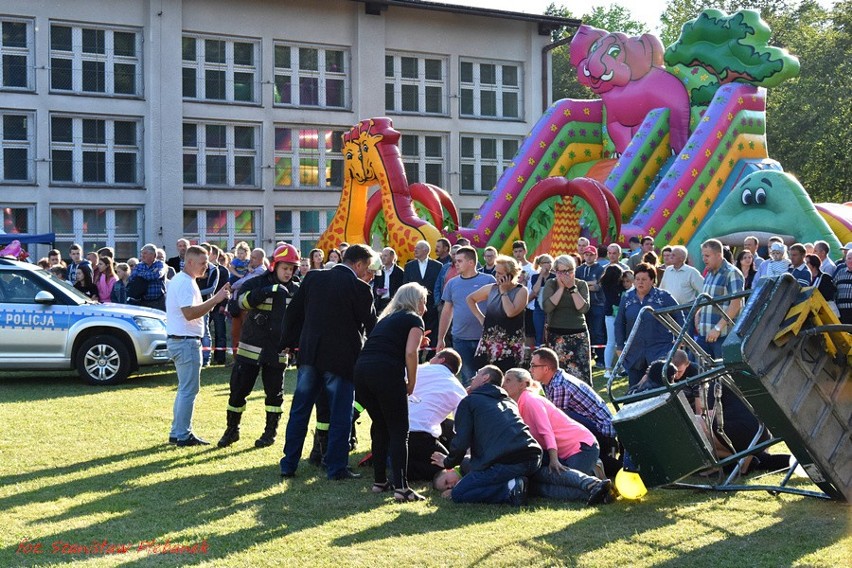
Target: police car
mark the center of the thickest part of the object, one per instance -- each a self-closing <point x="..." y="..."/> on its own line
<point x="46" y="324"/>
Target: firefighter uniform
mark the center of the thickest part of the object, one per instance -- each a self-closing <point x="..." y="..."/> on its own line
<point x="263" y="300"/>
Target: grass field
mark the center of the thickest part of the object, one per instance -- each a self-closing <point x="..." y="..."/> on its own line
<point x="82" y="465"/>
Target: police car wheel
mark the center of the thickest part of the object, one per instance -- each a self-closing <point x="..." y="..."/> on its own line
<point x="103" y="360"/>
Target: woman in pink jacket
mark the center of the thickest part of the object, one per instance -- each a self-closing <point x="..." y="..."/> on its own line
<point x="567" y="471"/>
<point x="106" y="278"/>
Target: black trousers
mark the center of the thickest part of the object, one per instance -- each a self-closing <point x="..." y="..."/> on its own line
<point x="381" y="389"/>
<point x="244" y="376"/>
<point x="421" y="446"/>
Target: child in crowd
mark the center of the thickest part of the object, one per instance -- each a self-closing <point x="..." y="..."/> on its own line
<point x="239" y="265"/>
<point x="106" y="279"/>
<point x="119" y="289"/>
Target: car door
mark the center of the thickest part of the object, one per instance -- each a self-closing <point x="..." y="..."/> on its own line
<point x="30" y="331"/>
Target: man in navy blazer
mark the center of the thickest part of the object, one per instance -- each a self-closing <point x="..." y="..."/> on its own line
<point x="328" y="318"/>
<point x="387" y="280"/>
<point x="425" y="271"/>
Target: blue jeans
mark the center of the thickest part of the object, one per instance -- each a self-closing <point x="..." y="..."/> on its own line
<point x="186" y="354"/>
<point x="466" y="348"/>
<point x="220" y="339"/>
<point x="571" y="485"/>
<point x="205" y="341"/>
<point x="341" y="396"/>
<point x="609" y="350"/>
<point x="597" y="330"/>
<point x="490" y="485"/>
<point x="713" y="349"/>
<point x="539" y="319"/>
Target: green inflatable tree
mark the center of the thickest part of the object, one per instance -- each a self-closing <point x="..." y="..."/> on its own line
<point x="731" y="48"/>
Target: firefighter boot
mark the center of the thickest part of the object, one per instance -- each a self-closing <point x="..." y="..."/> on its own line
<point x="268" y="436"/>
<point x="317" y="456"/>
<point x="232" y="432"/>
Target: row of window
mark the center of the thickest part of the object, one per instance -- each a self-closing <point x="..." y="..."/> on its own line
<point x="107" y="151"/>
<point x="122" y="228"/>
<point x="109" y="62"/>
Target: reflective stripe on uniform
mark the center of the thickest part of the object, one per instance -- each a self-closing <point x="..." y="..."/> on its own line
<point x="358" y="407"/>
<point x="237" y="409"/>
<point x="275" y="409"/>
<point x="322" y="426"/>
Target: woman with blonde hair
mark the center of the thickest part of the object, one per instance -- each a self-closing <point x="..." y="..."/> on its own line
<point x="502" y="342"/>
<point x="566" y="301"/>
<point x="389" y="355"/>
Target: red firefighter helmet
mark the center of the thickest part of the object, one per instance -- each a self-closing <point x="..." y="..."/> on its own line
<point x="285" y="253"/>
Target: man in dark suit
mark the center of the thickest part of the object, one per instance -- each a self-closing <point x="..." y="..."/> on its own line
<point x="425" y="271"/>
<point x="176" y="262"/>
<point x="328" y="318"/>
<point x="388" y="280"/>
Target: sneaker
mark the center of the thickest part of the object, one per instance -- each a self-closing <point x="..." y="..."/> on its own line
<point x="192" y="441"/>
<point x="518" y="491"/>
<point x="600" y="493"/>
<point x="173" y="440"/>
<point x="600" y="473"/>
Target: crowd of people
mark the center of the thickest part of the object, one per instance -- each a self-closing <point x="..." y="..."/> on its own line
<point x="477" y="376"/>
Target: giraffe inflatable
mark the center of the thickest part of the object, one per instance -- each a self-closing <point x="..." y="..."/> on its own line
<point x="372" y="157"/>
<point x="348" y="221"/>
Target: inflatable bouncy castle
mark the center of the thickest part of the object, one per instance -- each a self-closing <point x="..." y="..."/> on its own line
<point x="675" y="148"/>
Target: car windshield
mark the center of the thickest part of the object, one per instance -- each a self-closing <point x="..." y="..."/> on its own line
<point x="75" y="295"/>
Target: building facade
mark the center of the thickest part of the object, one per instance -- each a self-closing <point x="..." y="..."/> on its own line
<point x="144" y="121"/>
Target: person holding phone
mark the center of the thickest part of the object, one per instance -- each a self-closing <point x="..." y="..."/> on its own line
<point x="566" y="301"/>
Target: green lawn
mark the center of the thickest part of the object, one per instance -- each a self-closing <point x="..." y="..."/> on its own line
<point x="81" y="465"/>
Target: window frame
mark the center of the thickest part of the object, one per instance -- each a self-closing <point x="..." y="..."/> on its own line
<point x="422" y="83"/>
<point x="28" y="144"/>
<point x="322" y="74"/>
<point x="230" y="151"/>
<point x="109" y="58"/>
<point x="232" y="236"/>
<point x="326" y="157"/>
<point x="28" y="52"/>
<point x="110" y="237"/>
<point x="498" y="88"/>
<point x="421" y="160"/>
<point x="79" y="147"/>
<point x="477" y="161"/>
<point x="296" y="236"/>
<point x="201" y="66"/>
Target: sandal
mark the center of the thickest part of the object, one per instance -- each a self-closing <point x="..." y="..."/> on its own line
<point x="408" y="494"/>
<point x="382" y="487"/>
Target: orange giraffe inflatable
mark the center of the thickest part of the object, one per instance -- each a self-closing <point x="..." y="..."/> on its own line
<point x="382" y="162"/>
<point x="348" y="221"/>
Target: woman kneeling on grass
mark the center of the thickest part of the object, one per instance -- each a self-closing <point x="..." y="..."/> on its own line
<point x="567" y="471"/>
<point x="380" y="385"/>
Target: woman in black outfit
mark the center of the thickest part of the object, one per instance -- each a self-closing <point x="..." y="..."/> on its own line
<point x="380" y="385"/>
<point x="85" y="282"/>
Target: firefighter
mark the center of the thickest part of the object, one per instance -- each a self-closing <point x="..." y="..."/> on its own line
<point x="264" y="299"/>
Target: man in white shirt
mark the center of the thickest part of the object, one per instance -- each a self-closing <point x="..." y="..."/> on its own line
<point x="682" y="281"/>
<point x="185" y="326"/>
<point x="751" y="243"/>
<point x="822" y="250"/>
<point x="436" y="394"/>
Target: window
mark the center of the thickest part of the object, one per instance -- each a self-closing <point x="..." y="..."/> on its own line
<point x="220" y="154"/>
<point x="219" y="69"/>
<point x="17" y="219"/>
<point x="222" y="227"/>
<point x="311" y="76"/>
<point x="302" y="228"/>
<point x="96" y="228"/>
<point x="490" y="90"/>
<point x="308" y="158"/>
<point x="483" y="159"/>
<point x="16" y="51"/>
<point x="16" y="161"/>
<point x="94" y="60"/>
<point x="415" y="84"/>
<point x="424" y="157"/>
<point x="103" y="151"/>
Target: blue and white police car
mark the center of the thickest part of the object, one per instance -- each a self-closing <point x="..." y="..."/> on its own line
<point x="46" y="324"/>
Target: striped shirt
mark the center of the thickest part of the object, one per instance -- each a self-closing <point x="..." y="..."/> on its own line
<point x="726" y="280"/>
<point x="569" y="393"/>
<point x="843" y="282"/>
